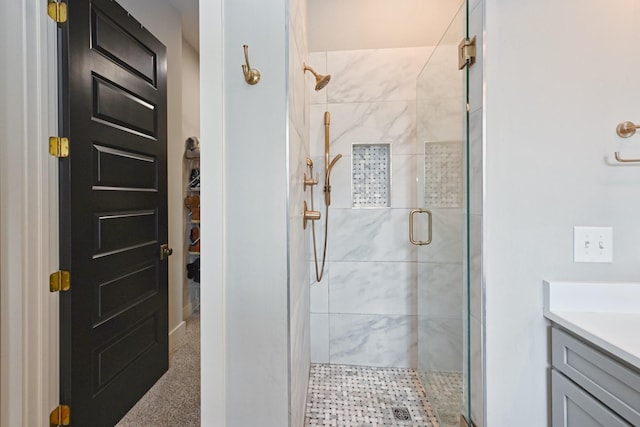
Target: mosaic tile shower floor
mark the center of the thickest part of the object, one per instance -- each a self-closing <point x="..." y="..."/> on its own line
<point x="444" y="389"/>
<point x="356" y="396"/>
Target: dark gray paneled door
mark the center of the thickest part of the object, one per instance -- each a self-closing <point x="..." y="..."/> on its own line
<point x="113" y="212"/>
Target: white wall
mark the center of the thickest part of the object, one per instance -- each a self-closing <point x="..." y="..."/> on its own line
<point x="254" y="332"/>
<point x="190" y="91"/>
<point x="213" y="400"/>
<point x="559" y="77"/>
<point x="164" y="22"/>
<point x="254" y="210"/>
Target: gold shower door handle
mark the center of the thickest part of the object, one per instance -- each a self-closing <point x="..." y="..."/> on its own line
<point x="412" y="215"/>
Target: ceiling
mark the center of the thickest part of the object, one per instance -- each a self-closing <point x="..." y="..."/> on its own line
<point x="355" y="24"/>
<point x="377" y="24"/>
<point x="190" y="21"/>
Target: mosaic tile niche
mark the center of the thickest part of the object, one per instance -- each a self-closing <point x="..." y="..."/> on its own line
<point x="371" y="175"/>
<point x="443" y="174"/>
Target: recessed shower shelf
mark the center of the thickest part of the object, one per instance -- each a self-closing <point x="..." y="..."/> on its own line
<point x="371" y="175"/>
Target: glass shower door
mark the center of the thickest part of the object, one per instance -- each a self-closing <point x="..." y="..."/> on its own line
<point x="441" y="220"/>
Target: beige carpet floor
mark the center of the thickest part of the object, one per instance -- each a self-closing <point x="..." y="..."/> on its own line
<point x="175" y="399"/>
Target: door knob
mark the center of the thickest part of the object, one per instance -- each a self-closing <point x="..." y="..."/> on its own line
<point x="165" y="252"/>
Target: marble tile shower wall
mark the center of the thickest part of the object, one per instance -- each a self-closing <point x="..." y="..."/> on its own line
<point x="365" y="310"/>
<point x="298" y="238"/>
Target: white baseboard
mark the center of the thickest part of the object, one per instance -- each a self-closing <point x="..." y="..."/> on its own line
<point x="187" y="310"/>
<point x="176" y="336"/>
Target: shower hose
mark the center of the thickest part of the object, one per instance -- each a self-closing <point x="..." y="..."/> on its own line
<point x="319" y="273"/>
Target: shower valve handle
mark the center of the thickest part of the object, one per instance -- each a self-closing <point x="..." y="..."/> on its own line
<point x="309" y="215"/>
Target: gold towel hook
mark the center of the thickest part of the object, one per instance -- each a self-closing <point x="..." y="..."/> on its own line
<point x="626" y="129"/>
<point x="251" y="75"/>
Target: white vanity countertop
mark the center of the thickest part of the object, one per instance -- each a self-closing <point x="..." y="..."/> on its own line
<point x="606" y="314"/>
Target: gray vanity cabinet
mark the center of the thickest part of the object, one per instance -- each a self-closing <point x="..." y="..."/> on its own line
<point x="572" y="406"/>
<point x="590" y="387"/>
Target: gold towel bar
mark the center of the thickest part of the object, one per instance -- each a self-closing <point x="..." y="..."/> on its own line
<point x="622" y="160"/>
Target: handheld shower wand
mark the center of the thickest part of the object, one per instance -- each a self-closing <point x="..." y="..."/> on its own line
<point x="328" y="165"/>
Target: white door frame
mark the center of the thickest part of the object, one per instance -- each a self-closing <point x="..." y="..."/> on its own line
<point x="29" y="219"/>
<point x="212" y="291"/>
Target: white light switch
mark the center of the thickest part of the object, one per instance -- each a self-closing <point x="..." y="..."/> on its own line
<point x="592" y="244"/>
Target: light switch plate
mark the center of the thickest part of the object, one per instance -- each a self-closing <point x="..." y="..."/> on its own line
<point x="593" y="244"/>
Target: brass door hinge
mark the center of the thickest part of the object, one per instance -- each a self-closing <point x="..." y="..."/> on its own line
<point x="58" y="147"/>
<point x="467" y="52"/>
<point x="60" y="281"/>
<point x="61" y="416"/>
<point x="57" y="11"/>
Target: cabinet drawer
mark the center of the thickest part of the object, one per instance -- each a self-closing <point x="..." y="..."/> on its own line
<point x="615" y="384"/>
<point x="571" y="406"/>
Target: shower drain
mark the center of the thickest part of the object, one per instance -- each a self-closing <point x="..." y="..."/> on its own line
<point x="401" y="414"/>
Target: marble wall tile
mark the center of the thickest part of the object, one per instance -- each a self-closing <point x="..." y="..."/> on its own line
<point x="296" y="171"/>
<point x="446" y="245"/>
<point x="440" y="290"/>
<point x="373" y="340"/>
<point x="370" y="235"/>
<point x="365" y="122"/>
<point x="319" y="291"/>
<point x="373" y="288"/>
<point x="476" y="291"/>
<point x="298" y="247"/>
<point x="477" y="379"/>
<point x="440" y="77"/>
<point x="476" y="21"/>
<point x="475" y="164"/>
<point x="316" y="130"/>
<point x="299" y="309"/>
<point x="440" y="120"/>
<point x="403" y="181"/>
<point x="297" y="95"/>
<point x="364" y="305"/>
<point x="298" y="23"/>
<point x="390" y="74"/>
<point x="341" y="185"/>
<point x="466" y="356"/>
<point x="440" y="344"/>
<point x="319" y="225"/>
<point x="319" y="326"/>
<point x="317" y="61"/>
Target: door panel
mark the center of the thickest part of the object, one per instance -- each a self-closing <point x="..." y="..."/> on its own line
<point x="113" y="201"/>
<point x="116" y="43"/>
<point x="442" y="297"/>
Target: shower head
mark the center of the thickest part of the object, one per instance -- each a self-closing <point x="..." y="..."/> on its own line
<point x="321" y="81"/>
